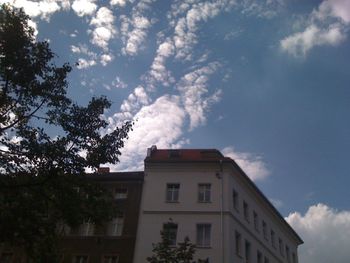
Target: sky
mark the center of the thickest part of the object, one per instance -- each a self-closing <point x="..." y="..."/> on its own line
<point x="267" y="82"/>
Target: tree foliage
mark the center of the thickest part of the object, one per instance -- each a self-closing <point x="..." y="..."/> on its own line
<point x="163" y="252"/>
<point x="40" y="171"/>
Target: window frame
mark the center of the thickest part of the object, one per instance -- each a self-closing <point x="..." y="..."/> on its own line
<point x="116" y="225"/>
<point x="121" y="195"/>
<point x="166" y="231"/>
<point x="104" y="257"/>
<point x="172" y="191"/>
<point x="206" y="192"/>
<point x="202" y="240"/>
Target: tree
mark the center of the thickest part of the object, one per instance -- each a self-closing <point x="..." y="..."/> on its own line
<point x="164" y="253"/>
<point x="40" y="171"/>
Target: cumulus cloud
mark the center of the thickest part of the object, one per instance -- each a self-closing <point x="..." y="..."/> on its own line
<point x="194" y="93"/>
<point x="251" y="164"/>
<point x="105" y="59"/>
<point x="186" y="26"/>
<point x="325" y="232"/>
<point x="85" y="63"/>
<point x="158" y="71"/>
<point x="134" y="29"/>
<point x="104" y="29"/>
<point x="159" y="123"/>
<point x="84" y="7"/>
<point x="43" y="9"/>
<point x="327" y="25"/>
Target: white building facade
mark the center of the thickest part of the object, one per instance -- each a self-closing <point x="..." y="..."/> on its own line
<point x="208" y="198"/>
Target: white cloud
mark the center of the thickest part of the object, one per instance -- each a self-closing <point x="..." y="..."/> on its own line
<point x="300" y="43"/>
<point x="158" y="71"/>
<point x="43" y="9"/>
<point x="158" y="124"/>
<point x="105" y="59"/>
<point x="104" y="29"/>
<point x="135" y="100"/>
<point x="325" y="232"/>
<point x="84" y="7"/>
<point x="84" y="63"/>
<point x="194" y="94"/>
<point x="121" y="3"/>
<point x="327" y="25"/>
<point x="118" y="83"/>
<point x="251" y="164"/>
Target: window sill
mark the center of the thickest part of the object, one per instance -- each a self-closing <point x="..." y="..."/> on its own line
<point x="204" y="247"/>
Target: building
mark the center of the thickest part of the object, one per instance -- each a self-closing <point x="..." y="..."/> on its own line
<point x="114" y="242"/>
<point x="210" y="199"/>
<point x="197" y="193"/>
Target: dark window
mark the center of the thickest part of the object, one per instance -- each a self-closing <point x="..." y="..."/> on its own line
<point x="80" y="259"/>
<point x="203" y="235"/>
<point x="287" y="254"/>
<point x="172" y="192"/>
<point x="170" y="233"/>
<point x="264" y="226"/>
<point x="235" y="200"/>
<point x="111" y="259"/>
<point x="6" y="257"/>
<point x="280" y="245"/>
<point x="246" y="210"/>
<point x="259" y="257"/>
<point x="266" y="260"/>
<point x="121" y="193"/>
<point x="247" y="251"/>
<point x="238" y="243"/>
<point x="256" y="221"/>
<point x="273" y="238"/>
<point x="204" y="193"/>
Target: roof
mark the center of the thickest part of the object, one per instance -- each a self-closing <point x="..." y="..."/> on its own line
<point x="155" y="155"/>
<point x="118" y="176"/>
<point x="184" y="155"/>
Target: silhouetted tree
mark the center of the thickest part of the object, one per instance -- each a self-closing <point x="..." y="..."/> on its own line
<point x="46" y="143"/>
<point x="163" y="252"/>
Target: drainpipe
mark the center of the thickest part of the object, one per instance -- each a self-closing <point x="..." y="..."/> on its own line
<point x="222" y="213"/>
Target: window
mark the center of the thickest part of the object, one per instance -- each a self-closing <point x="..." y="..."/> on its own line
<point x="80" y="259"/>
<point x="246" y="211"/>
<point x="116" y="226"/>
<point x="266" y="260"/>
<point x="294" y="258"/>
<point x="280" y="245"/>
<point x="256" y="221"/>
<point x="172" y="192"/>
<point x="273" y="238"/>
<point x="170" y="232"/>
<point x="110" y="259"/>
<point x="238" y="243"/>
<point x="247" y="251"/>
<point x="264" y="226"/>
<point x="121" y="193"/>
<point x="287" y="254"/>
<point x="203" y="235"/>
<point x="87" y="229"/>
<point x="204" y="193"/>
<point x="259" y="257"/>
<point x="235" y="200"/>
<point x="6" y="257"/>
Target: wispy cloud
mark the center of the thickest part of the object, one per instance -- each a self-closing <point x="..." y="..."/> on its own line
<point x="253" y="165"/>
<point x="327" y="25"/>
<point x="193" y="88"/>
<point x="325" y="232"/>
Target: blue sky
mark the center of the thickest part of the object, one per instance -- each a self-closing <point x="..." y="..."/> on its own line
<point x="266" y="82"/>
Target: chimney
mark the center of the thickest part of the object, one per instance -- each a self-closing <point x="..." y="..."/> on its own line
<point x="151" y="150"/>
<point x="103" y="170"/>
